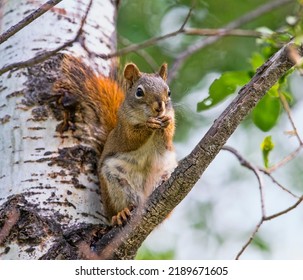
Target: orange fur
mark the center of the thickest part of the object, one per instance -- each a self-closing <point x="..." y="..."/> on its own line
<point x="96" y="98"/>
<point x="131" y="134"/>
<point x="110" y="99"/>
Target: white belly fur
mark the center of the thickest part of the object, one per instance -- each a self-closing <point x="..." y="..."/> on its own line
<point x="145" y="168"/>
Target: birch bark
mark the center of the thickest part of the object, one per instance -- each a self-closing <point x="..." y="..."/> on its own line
<point x="47" y="183"/>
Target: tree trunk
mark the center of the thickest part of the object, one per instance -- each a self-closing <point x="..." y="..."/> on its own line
<point x="48" y="186"/>
<point x="50" y="203"/>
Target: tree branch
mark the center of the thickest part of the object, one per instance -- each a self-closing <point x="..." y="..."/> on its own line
<point x="228" y="30"/>
<point x="45" y="55"/>
<point x="267" y="218"/>
<point x="232" y="25"/>
<point x="144" y="54"/>
<point x="264" y="217"/>
<point x="289" y="115"/>
<point x="172" y="192"/>
<point x="285" y="160"/>
<point x="294" y="132"/>
<point x="255" y="170"/>
<point x="182" y="30"/>
<point x="277" y="183"/>
<point x="27" y="20"/>
<point x="251" y="238"/>
<point x="186" y="31"/>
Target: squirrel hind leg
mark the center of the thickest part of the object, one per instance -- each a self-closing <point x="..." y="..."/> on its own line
<point x="121" y="217"/>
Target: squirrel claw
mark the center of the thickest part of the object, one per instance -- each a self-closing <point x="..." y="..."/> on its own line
<point x="158" y="123"/>
<point x="165" y="121"/>
<point x="121" y="217"/>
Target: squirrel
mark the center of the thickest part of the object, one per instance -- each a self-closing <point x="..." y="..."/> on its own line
<point x="134" y="130"/>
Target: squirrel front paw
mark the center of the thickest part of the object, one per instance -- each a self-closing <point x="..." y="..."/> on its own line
<point x="158" y="123"/>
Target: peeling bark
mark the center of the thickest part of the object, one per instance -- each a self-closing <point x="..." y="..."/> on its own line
<point x="49" y="191"/>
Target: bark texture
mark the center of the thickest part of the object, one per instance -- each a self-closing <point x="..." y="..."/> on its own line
<point x="49" y="193"/>
<point x="50" y="203"/>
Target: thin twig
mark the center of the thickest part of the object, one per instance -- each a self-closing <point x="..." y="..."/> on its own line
<point x="285" y="160"/>
<point x="186" y="31"/>
<point x="42" y="57"/>
<point x="223" y="32"/>
<point x="264" y="219"/>
<point x="148" y="58"/>
<point x="147" y="43"/>
<point x="253" y="168"/>
<point x="259" y="11"/>
<point x="136" y="47"/>
<point x="27" y="20"/>
<point x="232" y="25"/>
<point x="287" y="109"/>
<point x="251" y="238"/>
<point x="187" y="18"/>
<point x="277" y="183"/>
<point x="284" y="211"/>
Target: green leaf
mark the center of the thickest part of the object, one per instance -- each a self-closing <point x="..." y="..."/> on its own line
<point x="256" y="60"/>
<point x="261" y="244"/>
<point x="222" y="87"/>
<point x="274" y="91"/>
<point x="267" y="146"/>
<point x="298" y="40"/>
<point x="265" y="115"/>
<point x="288" y="96"/>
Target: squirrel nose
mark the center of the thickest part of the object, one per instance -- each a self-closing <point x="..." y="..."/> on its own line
<point x="158" y="106"/>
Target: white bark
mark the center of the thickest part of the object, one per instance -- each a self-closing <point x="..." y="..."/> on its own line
<point x="29" y="142"/>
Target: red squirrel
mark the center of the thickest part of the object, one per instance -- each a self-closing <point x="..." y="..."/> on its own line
<point x="136" y="129"/>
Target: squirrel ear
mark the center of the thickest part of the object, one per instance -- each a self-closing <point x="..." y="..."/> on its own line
<point x="131" y="73"/>
<point x="163" y="71"/>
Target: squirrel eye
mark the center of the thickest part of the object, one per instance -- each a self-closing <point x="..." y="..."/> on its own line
<point x="139" y="92"/>
<point x="169" y="93"/>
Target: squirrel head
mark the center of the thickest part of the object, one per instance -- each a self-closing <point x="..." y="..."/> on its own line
<point x="147" y="95"/>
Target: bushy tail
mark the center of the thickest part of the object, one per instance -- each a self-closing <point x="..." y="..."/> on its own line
<point x="90" y="102"/>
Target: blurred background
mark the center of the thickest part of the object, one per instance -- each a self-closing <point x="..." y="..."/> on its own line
<point x="221" y="212"/>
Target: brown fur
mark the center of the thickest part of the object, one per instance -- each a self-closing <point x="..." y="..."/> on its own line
<point x="141" y="144"/>
<point x="132" y="133"/>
